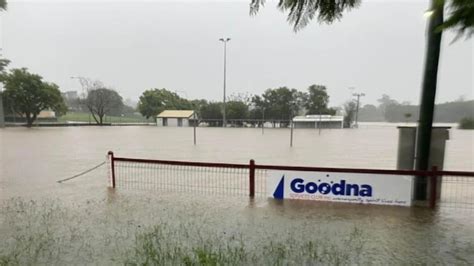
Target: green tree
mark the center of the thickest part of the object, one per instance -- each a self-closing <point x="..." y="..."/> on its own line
<point x="212" y="112"/>
<point x="317" y="100"/>
<point x="257" y="108"/>
<point x="3" y="64"/>
<point x="196" y="105"/>
<point x="237" y="110"/>
<point x="281" y="103"/>
<point x="3" y="5"/>
<point x="370" y="113"/>
<point x="101" y="102"/>
<point x="154" y="101"/>
<point x="26" y="94"/>
<point x="466" y="123"/>
<point x="349" y="113"/>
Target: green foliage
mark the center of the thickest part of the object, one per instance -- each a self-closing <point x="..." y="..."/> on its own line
<point x="236" y="110"/>
<point x="3" y="5"/>
<point x="281" y="103"/>
<point x="101" y="102"/>
<point x="154" y="101"/>
<point x="349" y="110"/>
<point x="3" y="64"/>
<point x="26" y="94"/>
<point x="390" y="110"/>
<point x="466" y="123"/>
<point x="301" y="12"/>
<point x="370" y="113"/>
<point x="460" y="18"/>
<point x="317" y="100"/>
<point x="213" y="111"/>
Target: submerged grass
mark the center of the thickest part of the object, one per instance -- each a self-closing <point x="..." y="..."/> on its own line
<point x="158" y="246"/>
<point x="47" y="233"/>
<point x="50" y="233"/>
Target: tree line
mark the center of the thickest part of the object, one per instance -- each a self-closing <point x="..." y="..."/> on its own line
<point x="390" y="110"/>
<point x="26" y="95"/>
<point x="274" y="104"/>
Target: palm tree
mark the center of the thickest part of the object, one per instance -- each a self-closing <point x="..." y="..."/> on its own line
<point x="461" y="18"/>
<point x="3" y="5"/>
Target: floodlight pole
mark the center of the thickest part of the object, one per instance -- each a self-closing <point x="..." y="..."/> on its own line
<point x="225" y="41"/>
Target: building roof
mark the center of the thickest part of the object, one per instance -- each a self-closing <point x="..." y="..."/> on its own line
<point x="176" y="114"/>
<point x="318" y="118"/>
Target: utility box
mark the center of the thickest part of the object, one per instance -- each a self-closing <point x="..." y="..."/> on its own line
<point x="407" y="151"/>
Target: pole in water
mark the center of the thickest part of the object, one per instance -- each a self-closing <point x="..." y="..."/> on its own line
<point x="194" y="123"/>
<point x="291" y="133"/>
<point x="319" y="125"/>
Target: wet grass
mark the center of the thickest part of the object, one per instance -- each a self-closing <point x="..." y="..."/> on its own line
<point x="47" y="233"/>
<point x="50" y="233"/>
<point x="155" y="248"/>
<point x="86" y="117"/>
<point x="159" y="246"/>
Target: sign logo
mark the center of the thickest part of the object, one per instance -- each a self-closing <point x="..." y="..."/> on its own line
<point x="337" y="187"/>
<point x="279" y="191"/>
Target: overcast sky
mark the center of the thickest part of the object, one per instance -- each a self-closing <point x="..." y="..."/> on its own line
<point x="137" y="45"/>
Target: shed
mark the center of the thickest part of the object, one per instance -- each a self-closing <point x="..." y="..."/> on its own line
<point x="318" y="121"/>
<point x="175" y="118"/>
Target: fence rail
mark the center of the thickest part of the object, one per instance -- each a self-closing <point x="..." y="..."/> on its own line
<point x="450" y="188"/>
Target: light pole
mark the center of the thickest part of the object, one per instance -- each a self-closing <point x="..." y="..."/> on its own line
<point x="225" y="41"/>
<point x="358" y="95"/>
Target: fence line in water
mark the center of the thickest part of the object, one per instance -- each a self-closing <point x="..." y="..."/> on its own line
<point x="457" y="188"/>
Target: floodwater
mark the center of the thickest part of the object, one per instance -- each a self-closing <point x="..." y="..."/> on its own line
<point x="32" y="160"/>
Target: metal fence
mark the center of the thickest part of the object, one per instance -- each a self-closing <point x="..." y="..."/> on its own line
<point x="457" y="191"/>
<point x="448" y="188"/>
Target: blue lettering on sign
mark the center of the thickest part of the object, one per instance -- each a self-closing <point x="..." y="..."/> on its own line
<point x="341" y="188"/>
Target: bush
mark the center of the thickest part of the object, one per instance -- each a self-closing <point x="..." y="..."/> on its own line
<point x="466" y="123"/>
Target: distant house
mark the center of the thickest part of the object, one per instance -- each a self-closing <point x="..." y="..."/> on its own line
<point x="175" y="118"/>
<point x="318" y="121"/>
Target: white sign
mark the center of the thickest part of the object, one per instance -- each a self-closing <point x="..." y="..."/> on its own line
<point x="341" y="187"/>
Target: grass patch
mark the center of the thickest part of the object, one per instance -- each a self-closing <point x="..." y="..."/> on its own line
<point x="46" y="233"/>
<point x="86" y="117"/>
<point x="103" y="233"/>
<point x="160" y="246"/>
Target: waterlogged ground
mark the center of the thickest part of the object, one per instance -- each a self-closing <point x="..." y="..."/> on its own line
<point x="82" y="222"/>
<point x="128" y="227"/>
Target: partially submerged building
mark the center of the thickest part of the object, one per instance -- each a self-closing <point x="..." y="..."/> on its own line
<point x="318" y="121"/>
<point x="175" y="118"/>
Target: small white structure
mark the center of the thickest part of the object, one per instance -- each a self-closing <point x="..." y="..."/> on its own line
<point x="318" y="121"/>
<point x="175" y="118"/>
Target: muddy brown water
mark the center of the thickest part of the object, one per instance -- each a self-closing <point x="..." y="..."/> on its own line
<point x="31" y="160"/>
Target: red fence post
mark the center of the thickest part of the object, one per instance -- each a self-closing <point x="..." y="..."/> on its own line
<point x="252" y="178"/>
<point x="112" y="167"/>
<point x="433" y="186"/>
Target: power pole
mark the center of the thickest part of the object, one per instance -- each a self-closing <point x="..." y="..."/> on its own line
<point x="358" y="95"/>
<point x="428" y="95"/>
